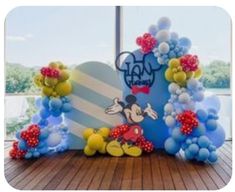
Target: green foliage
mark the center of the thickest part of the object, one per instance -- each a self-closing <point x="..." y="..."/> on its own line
<point x="216" y="75"/>
<point x="19" y="79"/>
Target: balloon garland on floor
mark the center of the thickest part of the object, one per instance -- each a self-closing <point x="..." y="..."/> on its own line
<point x="191" y="118"/>
<point x="47" y="131"/>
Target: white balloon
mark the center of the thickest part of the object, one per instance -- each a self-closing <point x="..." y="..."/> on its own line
<point x="170" y="121"/>
<point x="168" y="108"/>
<point x="53" y="139"/>
<point x="173" y="87"/>
<point x="184" y="98"/>
<point x="162" y="36"/>
<point x="164" y="48"/>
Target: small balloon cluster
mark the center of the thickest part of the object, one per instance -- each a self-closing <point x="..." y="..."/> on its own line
<point x="191" y="118"/>
<point x="147" y="43"/>
<point x="47" y="131"/>
<point x="182" y="69"/>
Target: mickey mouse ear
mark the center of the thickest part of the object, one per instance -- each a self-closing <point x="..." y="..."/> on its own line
<point x="126" y="56"/>
<point x="131" y="99"/>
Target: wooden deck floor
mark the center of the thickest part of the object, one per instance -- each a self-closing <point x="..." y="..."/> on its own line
<point x="72" y="170"/>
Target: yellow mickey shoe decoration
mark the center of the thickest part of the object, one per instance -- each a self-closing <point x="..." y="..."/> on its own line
<point x="114" y="148"/>
<point x="131" y="150"/>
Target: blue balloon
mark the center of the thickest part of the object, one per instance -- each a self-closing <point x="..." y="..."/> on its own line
<point x="43" y="150"/>
<point x="203" y="154"/>
<point x="43" y="134"/>
<point x="188" y="141"/>
<point x="36" y="154"/>
<point x="45" y="102"/>
<point x="213" y="157"/>
<point x="56" y="113"/>
<point x="28" y="155"/>
<point x="38" y="102"/>
<point x="184" y="146"/>
<point x="188" y="155"/>
<point x="198" y="96"/>
<point x="211" y="124"/>
<point x="55" y="103"/>
<point x="55" y="120"/>
<point x="202" y="115"/>
<point x="18" y="135"/>
<point x="194" y="140"/>
<point x="171" y="146"/>
<point x="43" y="123"/>
<point x="177" y="135"/>
<point x="35" y="118"/>
<point x="217" y="137"/>
<point x="198" y="131"/>
<point x="193" y="149"/>
<point x="153" y="30"/>
<point x="212" y="102"/>
<point x="22" y="145"/>
<point x="211" y="148"/>
<point x="185" y="42"/>
<point x="66" y="107"/>
<point x="203" y="141"/>
<point x="164" y="23"/>
<point x="44" y="113"/>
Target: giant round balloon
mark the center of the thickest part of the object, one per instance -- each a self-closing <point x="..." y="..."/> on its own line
<point x="217" y="137"/>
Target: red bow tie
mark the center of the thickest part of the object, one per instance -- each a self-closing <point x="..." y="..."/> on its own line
<point x="136" y="89"/>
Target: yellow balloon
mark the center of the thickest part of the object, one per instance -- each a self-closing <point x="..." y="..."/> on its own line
<point x="104" y="132"/>
<point x="179" y="77"/>
<point x="174" y="63"/>
<point x="50" y="81"/>
<point x="87" y="133"/>
<point x="189" y="74"/>
<point x="198" y="73"/>
<point x="38" y="80"/>
<point x="64" y="75"/>
<point x="53" y="65"/>
<point x="95" y="141"/>
<point x="63" y="88"/>
<point x="169" y="74"/>
<point x="47" y="90"/>
<point x="103" y="149"/>
<point x="88" y="151"/>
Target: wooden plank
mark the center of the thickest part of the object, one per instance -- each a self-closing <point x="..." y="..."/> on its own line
<point x="97" y="179"/>
<point x="118" y="174"/>
<point x="73" y="169"/>
<point x="200" y="167"/>
<point x="137" y="174"/>
<point x="80" y="174"/>
<point x="86" y="180"/>
<point x="107" y="179"/>
<point x="226" y="156"/>
<point x="44" y="175"/>
<point x="194" y="174"/>
<point x="220" y="171"/>
<point x="215" y="177"/>
<point x="51" y="174"/>
<point x="166" y="176"/>
<point x="175" y="174"/>
<point x="127" y="175"/>
<point x="156" y="172"/>
<point x="186" y="177"/>
<point x="147" y="173"/>
<point x="224" y="165"/>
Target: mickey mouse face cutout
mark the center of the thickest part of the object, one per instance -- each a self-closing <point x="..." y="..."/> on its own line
<point x="131" y="111"/>
<point x="138" y="74"/>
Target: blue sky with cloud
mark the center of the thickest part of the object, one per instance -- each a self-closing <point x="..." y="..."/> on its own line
<point x="38" y="35"/>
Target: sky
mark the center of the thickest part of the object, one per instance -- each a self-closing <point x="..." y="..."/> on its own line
<point x="37" y="35"/>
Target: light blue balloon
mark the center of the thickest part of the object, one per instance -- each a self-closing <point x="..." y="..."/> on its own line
<point x="192" y="84"/>
<point x="177" y="135"/>
<point x="212" y="102"/>
<point x="44" y="113"/>
<point x="43" y="150"/>
<point x="28" y="155"/>
<point x="164" y="23"/>
<point x="194" y="140"/>
<point x="36" y="154"/>
<point x="174" y="36"/>
<point x="185" y="42"/>
<point x="43" y="134"/>
<point x="56" y="113"/>
<point x="202" y="115"/>
<point x="188" y="155"/>
<point x="203" y="154"/>
<point x="171" y="146"/>
<point x="55" y="104"/>
<point x="66" y="107"/>
<point x="211" y="124"/>
<point x="217" y="137"/>
<point x="193" y="148"/>
<point x="38" y="102"/>
<point x="45" y="102"/>
<point x="35" y="118"/>
<point x="153" y="30"/>
<point x="188" y="141"/>
<point x="55" y="120"/>
<point x="22" y="145"/>
<point x="213" y="157"/>
<point x="184" y="146"/>
<point x="211" y="148"/>
<point x="198" y="96"/>
<point x="198" y="131"/>
<point x="203" y="141"/>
